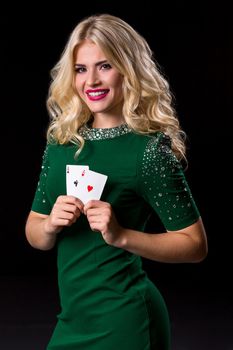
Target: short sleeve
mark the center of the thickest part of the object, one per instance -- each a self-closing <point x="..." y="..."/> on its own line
<point x="40" y="202"/>
<point x="162" y="183"/>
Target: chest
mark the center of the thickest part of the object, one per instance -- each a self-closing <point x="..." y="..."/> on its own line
<point x="118" y="164"/>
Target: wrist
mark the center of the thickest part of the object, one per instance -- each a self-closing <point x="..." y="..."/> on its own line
<point x="48" y="229"/>
<point x="122" y="241"/>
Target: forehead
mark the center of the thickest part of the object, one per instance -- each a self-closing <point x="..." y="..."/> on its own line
<point x="87" y="52"/>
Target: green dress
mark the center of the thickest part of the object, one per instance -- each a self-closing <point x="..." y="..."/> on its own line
<point x="107" y="300"/>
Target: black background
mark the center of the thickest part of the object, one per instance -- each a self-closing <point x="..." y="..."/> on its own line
<point x="192" y="41"/>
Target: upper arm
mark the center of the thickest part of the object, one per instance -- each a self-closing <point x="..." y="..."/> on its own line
<point x="162" y="183"/>
<point x="41" y="203"/>
<point x="34" y="214"/>
<point x="196" y="232"/>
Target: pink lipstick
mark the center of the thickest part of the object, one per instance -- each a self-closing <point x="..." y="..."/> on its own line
<point x="96" y="94"/>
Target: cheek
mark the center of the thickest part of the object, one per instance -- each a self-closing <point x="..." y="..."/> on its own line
<point x="118" y="84"/>
<point x="119" y="88"/>
<point x="79" y="86"/>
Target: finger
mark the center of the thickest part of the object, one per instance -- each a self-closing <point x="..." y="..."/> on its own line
<point x="104" y="212"/>
<point x="94" y="204"/>
<point x="90" y="204"/>
<point x="64" y="215"/>
<point x="66" y="199"/>
<point x="95" y="220"/>
<point x="79" y="204"/>
<point x="77" y="213"/>
<point x="57" y="221"/>
<point x="70" y="200"/>
<point x="96" y="226"/>
<point x="94" y="215"/>
<point x="70" y="208"/>
<point x="94" y="211"/>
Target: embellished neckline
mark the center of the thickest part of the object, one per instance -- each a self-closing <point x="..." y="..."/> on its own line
<point x="89" y="133"/>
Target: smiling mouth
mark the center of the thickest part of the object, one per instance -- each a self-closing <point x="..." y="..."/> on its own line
<point x="95" y="95"/>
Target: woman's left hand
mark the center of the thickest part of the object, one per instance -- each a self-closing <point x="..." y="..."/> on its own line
<point x="102" y="218"/>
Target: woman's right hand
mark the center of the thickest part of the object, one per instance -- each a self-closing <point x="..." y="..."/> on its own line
<point x="66" y="210"/>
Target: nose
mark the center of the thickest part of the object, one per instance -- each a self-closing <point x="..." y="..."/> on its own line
<point x="93" y="78"/>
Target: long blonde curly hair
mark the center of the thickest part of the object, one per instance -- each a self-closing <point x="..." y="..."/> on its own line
<point x="148" y="100"/>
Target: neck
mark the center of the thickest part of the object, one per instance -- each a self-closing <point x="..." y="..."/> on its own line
<point x="107" y="121"/>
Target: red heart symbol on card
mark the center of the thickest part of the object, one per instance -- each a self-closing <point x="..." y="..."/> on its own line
<point x="89" y="188"/>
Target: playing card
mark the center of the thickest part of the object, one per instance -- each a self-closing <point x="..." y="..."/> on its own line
<point x="90" y="186"/>
<point x="73" y="175"/>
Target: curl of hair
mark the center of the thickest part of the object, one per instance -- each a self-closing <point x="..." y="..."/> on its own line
<point x="147" y="104"/>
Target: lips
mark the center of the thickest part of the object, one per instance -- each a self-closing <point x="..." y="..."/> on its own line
<point x="97" y="94"/>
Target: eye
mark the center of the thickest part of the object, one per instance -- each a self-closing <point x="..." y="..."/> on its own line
<point x="105" y="66"/>
<point x="79" y="69"/>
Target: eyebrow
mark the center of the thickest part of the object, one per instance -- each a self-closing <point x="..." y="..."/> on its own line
<point x="96" y="64"/>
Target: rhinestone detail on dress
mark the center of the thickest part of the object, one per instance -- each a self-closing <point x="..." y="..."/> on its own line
<point x="92" y="134"/>
<point x="41" y="187"/>
<point x="159" y="166"/>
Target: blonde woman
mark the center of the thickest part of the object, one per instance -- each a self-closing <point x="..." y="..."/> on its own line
<point x="111" y="110"/>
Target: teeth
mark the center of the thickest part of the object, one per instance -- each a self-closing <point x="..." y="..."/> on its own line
<point x="96" y="93"/>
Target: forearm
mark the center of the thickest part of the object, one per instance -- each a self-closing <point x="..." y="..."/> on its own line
<point x="37" y="235"/>
<point x="171" y="247"/>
